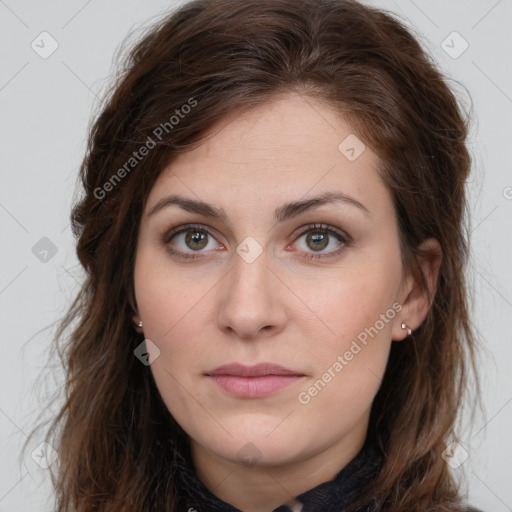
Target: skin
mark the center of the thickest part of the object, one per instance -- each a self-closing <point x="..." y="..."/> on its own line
<point x="282" y="307"/>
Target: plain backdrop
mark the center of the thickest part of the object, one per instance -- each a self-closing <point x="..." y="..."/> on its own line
<point x="46" y="103"/>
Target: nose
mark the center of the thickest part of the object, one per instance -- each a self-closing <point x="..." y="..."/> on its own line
<point x="250" y="303"/>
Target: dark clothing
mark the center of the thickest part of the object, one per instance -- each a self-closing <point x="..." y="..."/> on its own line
<point x="331" y="496"/>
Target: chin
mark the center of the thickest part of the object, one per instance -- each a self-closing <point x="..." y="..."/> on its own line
<point x="252" y="448"/>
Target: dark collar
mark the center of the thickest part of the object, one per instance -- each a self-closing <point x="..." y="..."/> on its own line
<point x="331" y="496"/>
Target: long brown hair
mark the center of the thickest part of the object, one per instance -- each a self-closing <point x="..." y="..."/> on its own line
<point x="204" y="60"/>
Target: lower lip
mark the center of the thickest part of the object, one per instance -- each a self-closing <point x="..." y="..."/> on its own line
<point x="254" y="387"/>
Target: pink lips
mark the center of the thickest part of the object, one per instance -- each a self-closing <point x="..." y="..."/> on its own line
<point x="253" y="381"/>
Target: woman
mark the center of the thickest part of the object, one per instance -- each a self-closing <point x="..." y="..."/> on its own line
<point x="275" y="312"/>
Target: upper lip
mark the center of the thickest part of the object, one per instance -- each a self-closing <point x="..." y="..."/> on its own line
<point x="257" y="370"/>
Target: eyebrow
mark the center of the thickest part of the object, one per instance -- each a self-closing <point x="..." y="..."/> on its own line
<point x="282" y="213"/>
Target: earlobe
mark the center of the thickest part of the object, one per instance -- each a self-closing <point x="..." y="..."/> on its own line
<point x="403" y="325"/>
<point x="137" y="323"/>
<point x="401" y="330"/>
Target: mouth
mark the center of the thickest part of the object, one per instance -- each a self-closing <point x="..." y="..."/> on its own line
<point x="253" y="381"/>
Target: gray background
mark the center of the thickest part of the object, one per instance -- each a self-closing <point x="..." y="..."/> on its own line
<point x="46" y="105"/>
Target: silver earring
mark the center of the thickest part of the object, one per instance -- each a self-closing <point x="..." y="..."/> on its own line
<point x="409" y="330"/>
<point x="140" y="323"/>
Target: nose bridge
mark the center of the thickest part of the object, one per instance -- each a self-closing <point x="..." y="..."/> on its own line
<point x="250" y="277"/>
<point x="249" y="299"/>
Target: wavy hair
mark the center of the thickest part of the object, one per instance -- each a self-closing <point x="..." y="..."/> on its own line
<point x="113" y="430"/>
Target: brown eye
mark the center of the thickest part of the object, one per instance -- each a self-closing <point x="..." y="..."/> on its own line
<point x="196" y="239"/>
<point x="190" y="241"/>
<point x="317" y="241"/>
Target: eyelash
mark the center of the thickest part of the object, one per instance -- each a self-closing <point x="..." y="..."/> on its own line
<point x="320" y="228"/>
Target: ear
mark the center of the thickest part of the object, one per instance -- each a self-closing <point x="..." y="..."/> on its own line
<point x="415" y="301"/>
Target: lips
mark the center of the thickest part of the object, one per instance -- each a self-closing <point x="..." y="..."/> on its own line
<point x="253" y="381"/>
<point x="240" y="370"/>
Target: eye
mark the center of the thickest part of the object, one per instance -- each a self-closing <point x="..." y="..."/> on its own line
<point x="189" y="239"/>
<point x="314" y="238"/>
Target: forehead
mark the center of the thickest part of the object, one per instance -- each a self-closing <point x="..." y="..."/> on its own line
<point x="288" y="148"/>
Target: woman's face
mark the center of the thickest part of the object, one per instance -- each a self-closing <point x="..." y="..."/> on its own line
<point x="261" y="271"/>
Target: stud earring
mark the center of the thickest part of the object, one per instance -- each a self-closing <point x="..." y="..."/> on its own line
<point x="409" y="330"/>
<point x="140" y="323"/>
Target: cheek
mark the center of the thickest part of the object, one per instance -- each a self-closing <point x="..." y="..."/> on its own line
<point x="348" y="305"/>
<point x="359" y="312"/>
<point x="350" y="366"/>
<point x="169" y="302"/>
<point x="175" y="318"/>
<point x="176" y="326"/>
